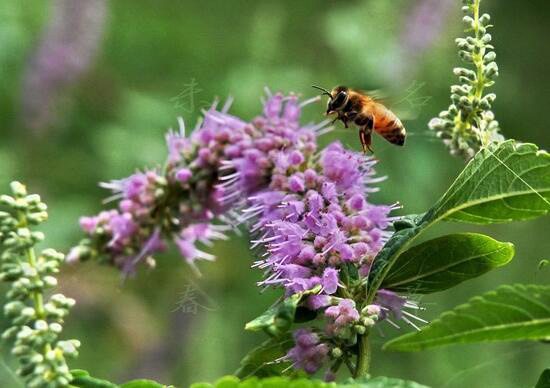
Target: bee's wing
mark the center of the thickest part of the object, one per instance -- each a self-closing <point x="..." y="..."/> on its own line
<point x="406" y="104"/>
<point x="379" y="95"/>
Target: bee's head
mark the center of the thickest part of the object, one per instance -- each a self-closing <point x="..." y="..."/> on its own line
<point x="338" y="98"/>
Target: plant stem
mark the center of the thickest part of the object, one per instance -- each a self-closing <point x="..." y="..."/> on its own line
<point x="36" y="296"/>
<point x="477" y="60"/>
<point x="363" y="358"/>
<point x="31" y="259"/>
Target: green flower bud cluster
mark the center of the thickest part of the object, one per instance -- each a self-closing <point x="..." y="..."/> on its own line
<point x="370" y="314"/>
<point x="36" y="322"/>
<point x="469" y="124"/>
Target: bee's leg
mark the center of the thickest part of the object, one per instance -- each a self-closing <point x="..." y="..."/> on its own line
<point x="349" y="116"/>
<point x="342" y="117"/>
<point x="365" y="135"/>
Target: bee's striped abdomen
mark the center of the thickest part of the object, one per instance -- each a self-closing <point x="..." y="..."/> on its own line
<point x="390" y="128"/>
<point x="396" y="135"/>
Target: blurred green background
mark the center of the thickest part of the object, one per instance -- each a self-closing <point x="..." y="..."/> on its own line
<point x="89" y="87"/>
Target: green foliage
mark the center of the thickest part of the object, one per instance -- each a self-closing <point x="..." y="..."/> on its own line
<point x="259" y="361"/>
<point x="142" y="383"/>
<point x="82" y="379"/>
<point x="509" y="182"/>
<point x="382" y="382"/>
<point x="502" y="183"/>
<point x="278" y="319"/>
<point x="510" y="313"/>
<point x="544" y="379"/>
<point x="444" y="262"/>
<point x="285" y="382"/>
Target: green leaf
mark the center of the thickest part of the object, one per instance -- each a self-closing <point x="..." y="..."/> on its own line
<point x="389" y="253"/>
<point x="510" y="313"/>
<point x="510" y="182"/>
<point x="505" y="182"/>
<point x="383" y="382"/>
<point x="444" y="262"/>
<point x="286" y="382"/>
<point x="544" y="379"/>
<point x="228" y="382"/>
<point x="259" y="362"/>
<point x="201" y="385"/>
<point x="142" y="383"/>
<point x="82" y="379"/>
<point x="406" y="222"/>
<point x="349" y="274"/>
<point x="277" y="320"/>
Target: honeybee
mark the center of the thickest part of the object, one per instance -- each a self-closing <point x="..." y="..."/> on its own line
<point x="368" y="114"/>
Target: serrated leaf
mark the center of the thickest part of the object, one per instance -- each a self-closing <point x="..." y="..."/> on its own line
<point x="502" y="183"/>
<point x="510" y="313"/>
<point x="444" y="262"/>
<point x="259" y="361"/>
<point x="510" y="182"/>
<point x="544" y="379"/>
<point x="278" y="319"/>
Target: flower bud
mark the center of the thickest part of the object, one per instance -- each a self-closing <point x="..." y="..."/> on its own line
<point x="18" y="189"/>
<point x="484" y="19"/>
<point x="468" y="20"/>
<point x="368" y="322"/>
<point x="489" y="57"/>
<point x="486" y="38"/>
<point x="336" y="353"/>
<point x="491" y="70"/>
<point x="7" y="201"/>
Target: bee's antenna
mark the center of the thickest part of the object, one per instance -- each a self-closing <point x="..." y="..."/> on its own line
<point x="323" y="90"/>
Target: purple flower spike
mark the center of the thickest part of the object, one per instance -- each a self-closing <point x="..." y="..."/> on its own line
<point x="206" y="176"/>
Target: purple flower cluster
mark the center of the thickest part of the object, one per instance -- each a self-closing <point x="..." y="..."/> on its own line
<point x="314" y="218"/>
<point x="317" y="227"/>
<point x="309" y="210"/>
<point x="206" y="176"/>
